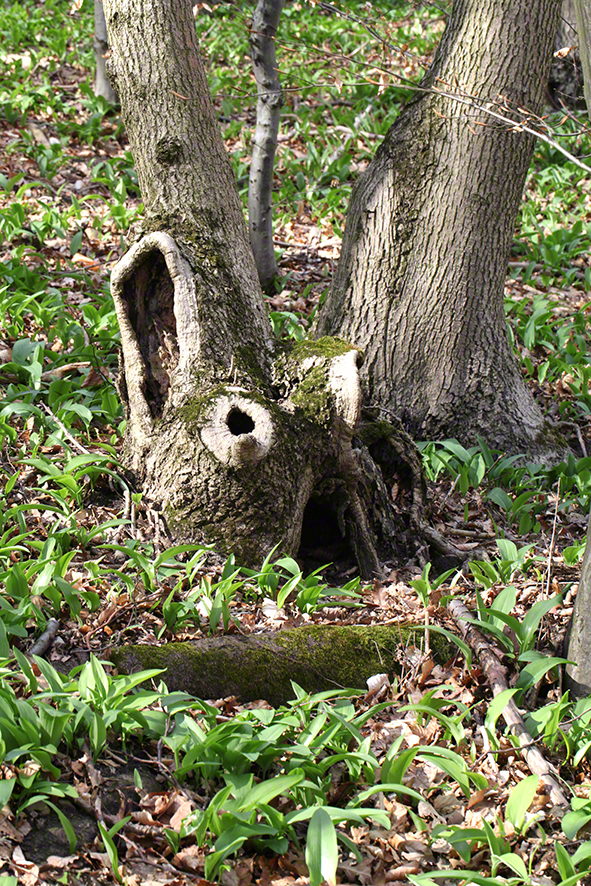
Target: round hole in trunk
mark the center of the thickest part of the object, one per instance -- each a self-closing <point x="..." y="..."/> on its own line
<point x="239" y="422"/>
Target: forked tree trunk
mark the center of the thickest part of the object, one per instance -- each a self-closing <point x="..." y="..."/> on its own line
<point x="264" y="144"/>
<point x="420" y="282"/>
<point x="242" y="442"/>
<point x="102" y="85"/>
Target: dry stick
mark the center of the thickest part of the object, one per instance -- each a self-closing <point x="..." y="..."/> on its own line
<point x="44" y="642"/>
<point x="65" y="431"/>
<point x="552" y="541"/>
<point x="496" y="675"/>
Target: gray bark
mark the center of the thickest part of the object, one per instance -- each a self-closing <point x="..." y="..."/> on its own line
<point x="240" y="441"/>
<point x="578" y="642"/>
<point x="583" y="18"/>
<point x="270" y="99"/>
<point x="420" y="282"/>
<point x="566" y="34"/>
<point x="102" y="85"/>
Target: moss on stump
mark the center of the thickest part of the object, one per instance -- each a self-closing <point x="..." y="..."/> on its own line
<point x="317" y="657"/>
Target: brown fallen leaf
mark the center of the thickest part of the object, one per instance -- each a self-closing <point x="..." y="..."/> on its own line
<point x="402" y="872"/>
<point x="191" y="858"/>
<point x="26" y="872"/>
<point x="185" y="809"/>
<point x="60" y="861"/>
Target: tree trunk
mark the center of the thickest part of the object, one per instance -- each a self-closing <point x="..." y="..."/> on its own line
<point x="578" y="641"/>
<point x="583" y="21"/>
<point x="270" y="99"/>
<point x="420" y="282"/>
<point x="566" y="74"/>
<point x="241" y="441"/>
<point x="102" y="85"/>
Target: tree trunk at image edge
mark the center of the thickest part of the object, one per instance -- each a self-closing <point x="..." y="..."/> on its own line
<point x="565" y="83"/>
<point x="578" y="640"/>
<point x="241" y="441"/>
<point x="420" y="282"/>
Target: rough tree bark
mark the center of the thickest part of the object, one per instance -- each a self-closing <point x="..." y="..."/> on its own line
<point x="102" y="85"/>
<point x="420" y="282"/>
<point x="264" y="144"/>
<point x="242" y="441"/>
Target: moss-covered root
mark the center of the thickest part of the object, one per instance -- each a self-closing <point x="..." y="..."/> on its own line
<point x="316" y="657"/>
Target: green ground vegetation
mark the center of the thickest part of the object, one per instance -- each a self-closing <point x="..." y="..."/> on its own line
<point x="419" y="774"/>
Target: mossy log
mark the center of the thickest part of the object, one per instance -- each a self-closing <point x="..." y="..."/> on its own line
<point x="316" y="657"/>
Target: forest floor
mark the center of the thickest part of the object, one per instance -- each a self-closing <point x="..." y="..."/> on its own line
<point x="78" y="546"/>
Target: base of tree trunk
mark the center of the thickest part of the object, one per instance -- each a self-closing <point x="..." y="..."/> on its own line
<point x="261" y="447"/>
<point x="316" y="657"/>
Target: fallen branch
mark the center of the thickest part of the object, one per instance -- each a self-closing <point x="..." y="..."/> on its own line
<point x="253" y="666"/>
<point x="496" y="675"/>
<point x="44" y="642"/>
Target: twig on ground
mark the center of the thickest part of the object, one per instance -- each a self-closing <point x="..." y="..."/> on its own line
<point x="552" y="542"/>
<point x="470" y="533"/>
<point x="437" y="540"/>
<point x="64" y="430"/>
<point x="496" y="675"/>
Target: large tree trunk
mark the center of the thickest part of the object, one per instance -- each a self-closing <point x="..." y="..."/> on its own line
<point x="242" y="442"/>
<point x="420" y="282"/>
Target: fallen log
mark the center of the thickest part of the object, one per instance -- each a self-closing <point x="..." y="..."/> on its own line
<point x="253" y="666"/>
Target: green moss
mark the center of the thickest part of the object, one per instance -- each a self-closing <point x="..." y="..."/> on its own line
<point x="374" y="431"/>
<point x="312" y="396"/>
<point x="317" y="657"/>
<point x="195" y="410"/>
<point x="328" y="346"/>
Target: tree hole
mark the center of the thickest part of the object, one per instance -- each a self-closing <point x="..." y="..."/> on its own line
<point x="322" y="541"/>
<point x="239" y="422"/>
<point x="149" y="295"/>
